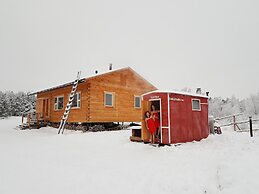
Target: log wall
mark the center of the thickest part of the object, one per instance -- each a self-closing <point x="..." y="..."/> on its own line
<point x="124" y="83"/>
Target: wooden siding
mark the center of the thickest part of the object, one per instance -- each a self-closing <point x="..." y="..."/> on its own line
<point x="76" y="114"/>
<point x="124" y="83"/>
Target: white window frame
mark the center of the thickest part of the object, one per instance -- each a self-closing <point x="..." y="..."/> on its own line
<point x="56" y="103"/>
<point x="77" y="102"/>
<point x="135" y="96"/>
<point x="113" y="99"/>
<point x="194" y="99"/>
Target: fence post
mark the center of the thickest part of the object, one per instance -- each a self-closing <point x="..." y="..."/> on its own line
<point x="234" y="121"/>
<point x="251" y="126"/>
<point x="22" y="117"/>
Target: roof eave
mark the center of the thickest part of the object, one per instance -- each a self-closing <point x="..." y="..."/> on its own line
<point x="56" y="87"/>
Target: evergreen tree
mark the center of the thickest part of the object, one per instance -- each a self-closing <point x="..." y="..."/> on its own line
<point x="14" y="104"/>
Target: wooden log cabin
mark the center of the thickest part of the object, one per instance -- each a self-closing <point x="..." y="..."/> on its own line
<point x="114" y="96"/>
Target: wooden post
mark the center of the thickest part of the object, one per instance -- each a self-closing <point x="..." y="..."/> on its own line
<point x="22" y="118"/>
<point x="234" y="121"/>
<point x="37" y="121"/>
<point x="251" y="126"/>
<point x="29" y="120"/>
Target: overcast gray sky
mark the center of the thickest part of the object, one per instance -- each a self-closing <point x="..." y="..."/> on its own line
<point x="172" y="43"/>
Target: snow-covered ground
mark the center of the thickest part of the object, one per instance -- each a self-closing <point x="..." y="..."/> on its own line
<point x="40" y="161"/>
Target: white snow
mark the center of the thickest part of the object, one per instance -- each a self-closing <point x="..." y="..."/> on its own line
<point x="176" y="92"/>
<point x="40" y="161"/>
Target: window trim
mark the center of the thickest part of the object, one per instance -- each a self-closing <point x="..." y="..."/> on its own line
<point x="136" y="96"/>
<point x="113" y="99"/>
<point x="195" y="99"/>
<point x="76" y="107"/>
<point x="57" y="97"/>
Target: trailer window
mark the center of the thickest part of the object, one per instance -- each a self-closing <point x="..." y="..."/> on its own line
<point x="196" y="104"/>
<point x="109" y="99"/>
<point x="59" y="103"/>
<point x="137" y="101"/>
<point x="76" y="103"/>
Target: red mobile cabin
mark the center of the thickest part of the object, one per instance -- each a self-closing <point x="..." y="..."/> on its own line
<point x="183" y="116"/>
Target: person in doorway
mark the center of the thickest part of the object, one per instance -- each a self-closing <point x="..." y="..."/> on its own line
<point x="150" y="124"/>
<point x="155" y="114"/>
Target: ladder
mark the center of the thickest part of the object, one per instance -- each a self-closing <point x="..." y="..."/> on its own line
<point x="69" y="104"/>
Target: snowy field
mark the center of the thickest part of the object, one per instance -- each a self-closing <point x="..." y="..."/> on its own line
<point x="41" y="162"/>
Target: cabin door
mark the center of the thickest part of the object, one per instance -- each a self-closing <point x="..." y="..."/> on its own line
<point x="145" y="136"/>
<point x="44" y="111"/>
<point x="155" y="106"/>
<point x="146" y="106"/>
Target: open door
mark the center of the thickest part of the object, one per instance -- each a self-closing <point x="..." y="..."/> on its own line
<point x="145" y="136"/>
<point x="155" y="110"/>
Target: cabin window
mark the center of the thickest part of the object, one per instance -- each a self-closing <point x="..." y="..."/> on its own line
<point x="109" y="99"/>
<point x="59" y="103"/>
<point x="137" y="101"/>
<point x="76" y="103"/>
<point x="196" y="104"/>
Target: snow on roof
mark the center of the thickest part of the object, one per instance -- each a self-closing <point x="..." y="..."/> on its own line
<point x="56" y="87"/>
<point x="83" y="80"/>
<point x="176" y="92"/>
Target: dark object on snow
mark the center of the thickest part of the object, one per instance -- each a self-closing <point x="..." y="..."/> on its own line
<point x="90" y="127"/>
<point x="251" y="126"/>
<point x="217" y="130"/>
<point x="134" y="124"/>
<point x="198" y="91"/>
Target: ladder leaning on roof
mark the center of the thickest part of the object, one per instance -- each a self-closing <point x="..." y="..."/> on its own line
<point x="69" y="104"/>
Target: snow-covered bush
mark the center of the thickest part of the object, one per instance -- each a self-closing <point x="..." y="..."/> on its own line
<point x="219" y="107"/>
<point x="14" y="104"/>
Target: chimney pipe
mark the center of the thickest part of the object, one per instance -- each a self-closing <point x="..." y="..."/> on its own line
<point x="198" y="91"/>
<point x="207" y="93"/>
<point x="110" y="66"/>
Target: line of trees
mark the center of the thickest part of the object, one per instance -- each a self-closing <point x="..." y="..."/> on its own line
<point x="219" y="107"/>
<point x="14" y="104"/>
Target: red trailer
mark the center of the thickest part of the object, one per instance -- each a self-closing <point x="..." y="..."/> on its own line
<point x="183" y="116"/>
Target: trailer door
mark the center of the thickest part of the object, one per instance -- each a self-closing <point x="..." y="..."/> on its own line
<point x="145" y="136"/>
